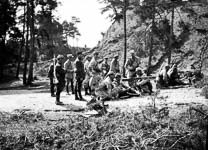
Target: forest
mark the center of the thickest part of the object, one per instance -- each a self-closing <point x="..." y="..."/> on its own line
<point x="30" y="32"/>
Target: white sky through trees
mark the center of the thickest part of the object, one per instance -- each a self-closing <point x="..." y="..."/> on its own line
<point x="92" y="21"/>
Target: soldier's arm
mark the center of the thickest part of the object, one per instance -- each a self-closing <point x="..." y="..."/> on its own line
<point x="65" y="67"/>
<point x="127" y="65"/>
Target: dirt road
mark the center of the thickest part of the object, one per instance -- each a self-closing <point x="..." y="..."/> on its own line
<point x="38" y="99"/>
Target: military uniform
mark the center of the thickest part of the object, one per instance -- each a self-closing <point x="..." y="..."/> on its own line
<point x="104" y="90"/>
<point x="60" y="76"/>
<point x="114" y="66"/>
<point x="68" y="67"/>
<point x="79" y="75"/>
<point x="131" y="65"/>
<point x="105" y="67"/>
<point x="162" y="79"/>
<point x="51" y="78"/>
<point x="94" y="71"/>
<point x="143" y="85"/>
<point x="87" y="78"/>
<point x="121" y="90"/>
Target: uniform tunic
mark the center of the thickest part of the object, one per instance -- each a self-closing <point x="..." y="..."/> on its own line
<point x="114" y="66"/>
<point x="79" y="72"/>
<point x="94" y="71"/>
<point x="105" y="89"/>
<point x="131" y="66"/>
<point x="93" y="67"/>
<point x="87" y="74"/>
<point x="105" y="67"/>
<point x="68" y="67"/>
<point x="60" y="76"/>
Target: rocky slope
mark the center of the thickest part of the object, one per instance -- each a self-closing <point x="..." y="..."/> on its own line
<point x="190" y="30"/>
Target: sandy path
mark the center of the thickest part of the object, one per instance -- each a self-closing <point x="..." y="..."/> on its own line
<point x="40" y="100"/>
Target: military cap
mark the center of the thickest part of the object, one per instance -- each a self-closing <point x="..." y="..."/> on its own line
<point x="138" y="69"/>
<point x="60" y="57"/>
<point x="95" y="53"/>
<point x="118" y="75"/>
<point x="116" y="56"/>
<point x="79" y="53"/>
<point x="132" y="51"/>
<point x="110" y="73"/>
<point x="69" y="55"/>
<point x="86" y="57"/>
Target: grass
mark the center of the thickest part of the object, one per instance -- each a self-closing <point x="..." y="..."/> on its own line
<point x="116" y="130"/>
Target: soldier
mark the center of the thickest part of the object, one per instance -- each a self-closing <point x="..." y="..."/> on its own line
<point x="131" y="64"/>
<point x="51" y="78"/>
<point x="114" y="66"/>
<point x="143" y="85"/>
<point x="60" y="78"/>
<point x="104" y="91"/>
<point x="105" y="67"/>
<point x="121" y="90"/>
<point x="95" y="73"/>
<point x="87" y="76"/>
<point x="162" y="79"/>
<point x="68" y="67"/>
<point x="79" y="75"/>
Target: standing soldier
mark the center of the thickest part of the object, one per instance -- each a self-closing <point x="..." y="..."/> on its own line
<point x="94" y="71"/>
<point x="87" y="76"/>
<point x="114" y="66"/>
<point x="68" y="67"/>
<point x="105" y="67"/>
<point x="131" y="64"/>
<point x="79" y="75"/>
<point x="51" y="78"/>
<point x="60" y="78"/>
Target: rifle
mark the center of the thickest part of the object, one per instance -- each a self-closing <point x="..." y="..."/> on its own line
<point x="137" y="78"/>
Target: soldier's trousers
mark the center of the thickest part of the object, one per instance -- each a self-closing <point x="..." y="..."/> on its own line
<point x="59" y="89"/>
<point x="52" y="86"/>
<point x="67" y="85"/>
<point x="78" y="88"/>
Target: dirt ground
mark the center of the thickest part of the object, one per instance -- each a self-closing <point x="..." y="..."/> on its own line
<point x="37" y="98"/>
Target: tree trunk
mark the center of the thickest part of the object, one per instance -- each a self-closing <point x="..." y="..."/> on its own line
<point x="2" y="46"/>
<point x="32" y="40"/>
<point x="171" y="37"/>
<point x="22" y="45"/>
<point x="26" y="46"/>
<point x="125" y="39"/>
<point x="151" y="40"/>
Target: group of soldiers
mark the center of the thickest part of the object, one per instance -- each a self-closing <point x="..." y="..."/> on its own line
<point x="170" y="76"/>
<point x="98" y="78"/>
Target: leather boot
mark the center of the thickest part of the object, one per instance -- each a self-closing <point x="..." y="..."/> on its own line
<point x="86" y="93"/>
<point x="67" y="89"/>
<point x="58" y="100"/>
<point x="80" y="95"/>
<point x="76" y="96"/>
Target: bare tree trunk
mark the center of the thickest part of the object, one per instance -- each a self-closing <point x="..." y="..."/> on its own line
<point x="171" y="36"/>
<point x="26" y="46"/>
<point x="151" y="40"/>
<point x="22" y="45"/>
<point x="125" y="39"/>
<point x="32" y="40"/>
<point x="2" y="46"/>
